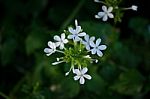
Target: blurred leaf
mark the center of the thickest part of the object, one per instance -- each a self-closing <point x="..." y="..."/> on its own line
<point x="129" y="83"/>
<point x="96" y="85"/>
<point x="8" y="51"/>
<point x="140" y="26"/>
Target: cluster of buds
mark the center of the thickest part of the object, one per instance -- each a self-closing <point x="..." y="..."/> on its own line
<point x="77" y="48"/>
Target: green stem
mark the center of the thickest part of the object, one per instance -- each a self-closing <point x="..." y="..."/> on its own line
<point x="72" y="15"/>
<point x="4" y="96"/>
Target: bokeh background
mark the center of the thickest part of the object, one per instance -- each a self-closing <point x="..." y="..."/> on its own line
<point x="26" y="73"/>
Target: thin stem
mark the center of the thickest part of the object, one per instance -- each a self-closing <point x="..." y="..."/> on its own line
<point x="4" y="96"/>
<point x="59" y="51"/>
<point x="72" y="15"/>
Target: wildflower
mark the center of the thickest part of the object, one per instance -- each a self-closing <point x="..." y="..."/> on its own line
<point x="60" y="40"/>
<point x="97" y="47"/>
<point x="80" y="74"/>
<point x="50" y="50"/>
<point x="87" y="41"/>
<point x="76" y="33"/>
<point x="105" y="14"/>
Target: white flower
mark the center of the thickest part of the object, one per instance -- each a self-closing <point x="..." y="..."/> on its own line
<point x="105" y="14"/>
<point x="76" y="33"/>
<point x="97" y="47"/>
<point x="134" y="7"/>
<point x="50" y="50"/>
<point x="87" y="41"/>
<point x="60" y="41"/>
<point x="80" y="74"/>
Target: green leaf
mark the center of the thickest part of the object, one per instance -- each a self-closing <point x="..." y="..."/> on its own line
<point x="129" y="83"/>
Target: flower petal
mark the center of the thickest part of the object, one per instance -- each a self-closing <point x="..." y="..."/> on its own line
<point x="51" y="44"/>
<point x="77" y="71"/>
<point x="97" y="17"/>
<point x="62" y="36"/>
<point x="92" y="38"/>
<point x="99" y="53"/>
<point x="82" y="81"/>
<point x="92" y="44"/>
<point x="57" y="38"/>
<point x="87" y="47"/>
<point x="93" y="51"/>
<point x="87" y="76"/>
<point x="77" y="38"/>
<point x="71" y="36"/>
<point x="105" y="18"/>
<point x="98" y="41"/>
<point x="48" y="50"/>
<point x="71" y="30"/>
<point x="86" y="37"/>
<point x="104" y="8"/>
<point x="101" y="14"/>
<point x="57" y="44"/>
<point x="78" y="29"/>
<point x="76" y="77"/>
<point x="65" y="41"/>
<point x="110" y="15"/>
<point x="110" y="9"/>
<point x="82" y="34"/>
<point x="102" y="47"/>
<point x="84" y="70"/>
<point x="61" y="46"/>
<point x="76" y="22"/>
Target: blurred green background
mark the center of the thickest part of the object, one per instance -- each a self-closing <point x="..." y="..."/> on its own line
<point x="26" y="73"/>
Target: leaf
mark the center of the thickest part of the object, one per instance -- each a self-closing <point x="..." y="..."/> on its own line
<point x="129" y="83"/>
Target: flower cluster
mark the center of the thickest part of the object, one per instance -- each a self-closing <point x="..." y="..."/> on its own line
<point x="108" y="11"/>
<point x="76" y="47"/>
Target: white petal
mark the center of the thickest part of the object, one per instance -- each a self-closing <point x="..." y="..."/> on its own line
<point x="82" y="34"/>
<point x="99" y="53"/>
<point x="77" y="71"/>
<point x="97" y="17"/>
<point x="105" y="18"/>
<point x="93" y="51"/>
<point x="65" y="41"/>
<point x="71" y="30"/>
<point x="84" y="70"/>
<point x="102" y="47"/>
<point x="101" y="14"/>
<point x="61" y="46"/>
<point x="86" y="37"/>
<point x="62" y="36"/>
<point x="87" y="76"/>
<point x="57" y="38"/>
<point x="87" y="47"/>
<point x="71" y="36"/>
<point x="92" y="44"/>
<point x="50" y="44"/>
<point x="78" y="29"/>
<point x="92" y="38"/>
<point x="98" y="41"/>
<point x="110" y="15"/>
<point x="47" y="50"/>
<point x="104" y="8"/>
<point x="110" y="9"/>
<point x="57" y="44"/>
<point x="76" y="77"/>
<point x="77" y="38"/>
<point x="82" y="81"/>
<point x="76" y="23"/>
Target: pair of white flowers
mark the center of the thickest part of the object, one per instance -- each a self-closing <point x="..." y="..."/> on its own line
<point x="107" y="12"/>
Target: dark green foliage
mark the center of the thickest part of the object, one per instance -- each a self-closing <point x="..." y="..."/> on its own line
<point x="26" y="72"/>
